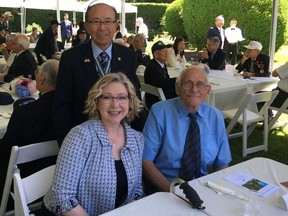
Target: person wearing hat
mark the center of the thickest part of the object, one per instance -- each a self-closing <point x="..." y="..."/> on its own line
<point x="46" y="43"/>
<point x="80" y="38"/>
<point x="156" y="74"/>
<point x="253" y="62"/>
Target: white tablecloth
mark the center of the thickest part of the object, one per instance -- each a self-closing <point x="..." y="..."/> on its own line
<point x="227" y="91"/>
<point x="8" y="108"/>
<point x="166" y="204"/>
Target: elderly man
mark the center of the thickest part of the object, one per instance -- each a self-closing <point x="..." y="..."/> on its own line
<point x="218" y="31"/>
<point x="81" y="66"/>
<point x="32" y="123"/>
<point x="156" y="74"/>
<point x="253" y="62"/>
<point x="24" y="63"/>
<point x="213" y="55"/>
<point x="166" y="153"/>
<point x="137" y="45"/>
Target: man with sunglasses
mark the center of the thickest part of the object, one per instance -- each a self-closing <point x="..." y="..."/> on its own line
<point x="81" y="66"/>
<point x="168" y="127"/>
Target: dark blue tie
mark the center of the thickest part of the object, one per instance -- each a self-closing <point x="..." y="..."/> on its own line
<point x="191" y="158"/>
<point x="103" y="60"/>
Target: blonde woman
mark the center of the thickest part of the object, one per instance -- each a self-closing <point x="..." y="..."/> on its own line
<point x="99" y="165"/>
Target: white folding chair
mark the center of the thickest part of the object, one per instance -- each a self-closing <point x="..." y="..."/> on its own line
<point x="31" y="188"/>
<point x="24" y="154"/>
<point x="248" y="116"/>
<point x="141" y="78"/>
<point x="146" y="88"/>
<point x="282" y="109"/>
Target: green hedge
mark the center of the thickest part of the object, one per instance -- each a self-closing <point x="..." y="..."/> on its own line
<point x="254" y="17"/>
<point x="173" y="19"/>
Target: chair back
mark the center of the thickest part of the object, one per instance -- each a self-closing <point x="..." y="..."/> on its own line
<point x="31" y="188"/>
<point x="24" y="154"/>
<point x="146" y="88"/>
<point x="282" y="109"/>
<point x="248" y="115"/>
<point x="141" y="78"/>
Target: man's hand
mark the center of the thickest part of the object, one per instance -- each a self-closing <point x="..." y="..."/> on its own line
<point x="244" y="57"/>
<point x="205" y="53"/>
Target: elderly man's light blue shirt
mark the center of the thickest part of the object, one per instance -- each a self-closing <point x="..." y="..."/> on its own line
<point x="165" y="133"/>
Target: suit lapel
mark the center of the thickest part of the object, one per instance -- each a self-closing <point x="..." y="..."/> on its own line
<point x="89" y="62"/>
<point x="116" y="58"/>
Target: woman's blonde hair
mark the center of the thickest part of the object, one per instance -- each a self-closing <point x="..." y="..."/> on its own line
<point x="91" y="107"/>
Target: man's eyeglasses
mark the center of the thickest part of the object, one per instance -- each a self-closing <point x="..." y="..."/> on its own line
<point x="120" y="99"/>
<point x="190" y="85"/>
<point x="97" y="23"/>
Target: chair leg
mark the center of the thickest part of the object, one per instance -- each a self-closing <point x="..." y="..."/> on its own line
<point x="244" y="140"/>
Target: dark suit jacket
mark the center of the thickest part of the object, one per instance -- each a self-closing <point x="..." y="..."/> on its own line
<point x="66" y="30"/>
<point x="30" y="123"/>
<point x="261" y="66"/>
<point x="157" y="76"/>
<point x="140" y="57"/>
<point x="46" y="43"/>
<point x="218" y="61"/>
<point x="24" y="64"/>
<point x="214" y="32"/>
<point x="77" y="73"/>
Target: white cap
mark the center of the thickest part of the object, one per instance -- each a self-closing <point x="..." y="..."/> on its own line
<point x="254" y="45"/>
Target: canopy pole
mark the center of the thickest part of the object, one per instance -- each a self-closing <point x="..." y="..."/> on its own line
<point x="273" y="32"/>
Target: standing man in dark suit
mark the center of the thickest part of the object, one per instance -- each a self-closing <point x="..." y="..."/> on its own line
<point x="156" y="74"/>
<point x="253" y="62"/>
<point x="218" y="31"/>
<point x="66" y="29"/>
<point x="24" y="63"/>
<point x="46" y="43"/>
<point x="32" y="123"/>
<point x="213" y="55"/>
<point x="80" y="67"/>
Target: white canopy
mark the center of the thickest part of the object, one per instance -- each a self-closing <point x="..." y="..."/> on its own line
<point x="65" y="5"/>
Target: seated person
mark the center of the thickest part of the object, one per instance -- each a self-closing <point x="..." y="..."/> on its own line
<point x="253" y="62"/>
<point x="137" y="45"/>
<point x="156" y="74"/>
<point x="34" y="36"/>
<point x="213" y="55"/>
<point x="8" y="53"/>
<point x="81" y="37"/>
<point x="165" y="129"/>
<point x="176" y="56"/>
<point x="99" y="164"/>
<point x="24" y="63"/>
<point x="282" y="86"/>
<point x="32" y="123"/>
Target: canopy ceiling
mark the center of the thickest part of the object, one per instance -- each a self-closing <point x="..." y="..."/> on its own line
<point x="64" y="5"/>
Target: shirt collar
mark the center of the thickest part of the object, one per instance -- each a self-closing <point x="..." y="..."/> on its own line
<point x="96" y="50"/>
<point x="162" y="64"/>
<point x="183" y="110"/>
